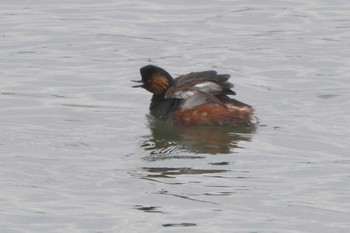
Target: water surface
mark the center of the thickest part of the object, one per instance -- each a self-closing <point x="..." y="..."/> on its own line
<point x="79" y="153"/>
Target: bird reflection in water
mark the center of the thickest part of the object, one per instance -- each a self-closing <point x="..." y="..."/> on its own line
<point x="169" y="140"/>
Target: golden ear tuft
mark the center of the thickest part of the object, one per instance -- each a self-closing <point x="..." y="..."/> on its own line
<point x="160" y="82"/>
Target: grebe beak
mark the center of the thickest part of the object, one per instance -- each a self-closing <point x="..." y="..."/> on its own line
<point x="137" y="81"/>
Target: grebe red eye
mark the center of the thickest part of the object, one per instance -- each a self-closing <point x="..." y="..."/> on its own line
<point x="149" y="81"/>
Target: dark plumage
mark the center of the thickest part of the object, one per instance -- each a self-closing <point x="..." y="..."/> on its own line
<point x="197" y="98"/>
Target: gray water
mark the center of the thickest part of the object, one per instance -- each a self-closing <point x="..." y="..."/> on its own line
<point x="78" y="152"/>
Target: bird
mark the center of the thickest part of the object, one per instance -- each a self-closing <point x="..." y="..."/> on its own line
<point x="194" y="99"/>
